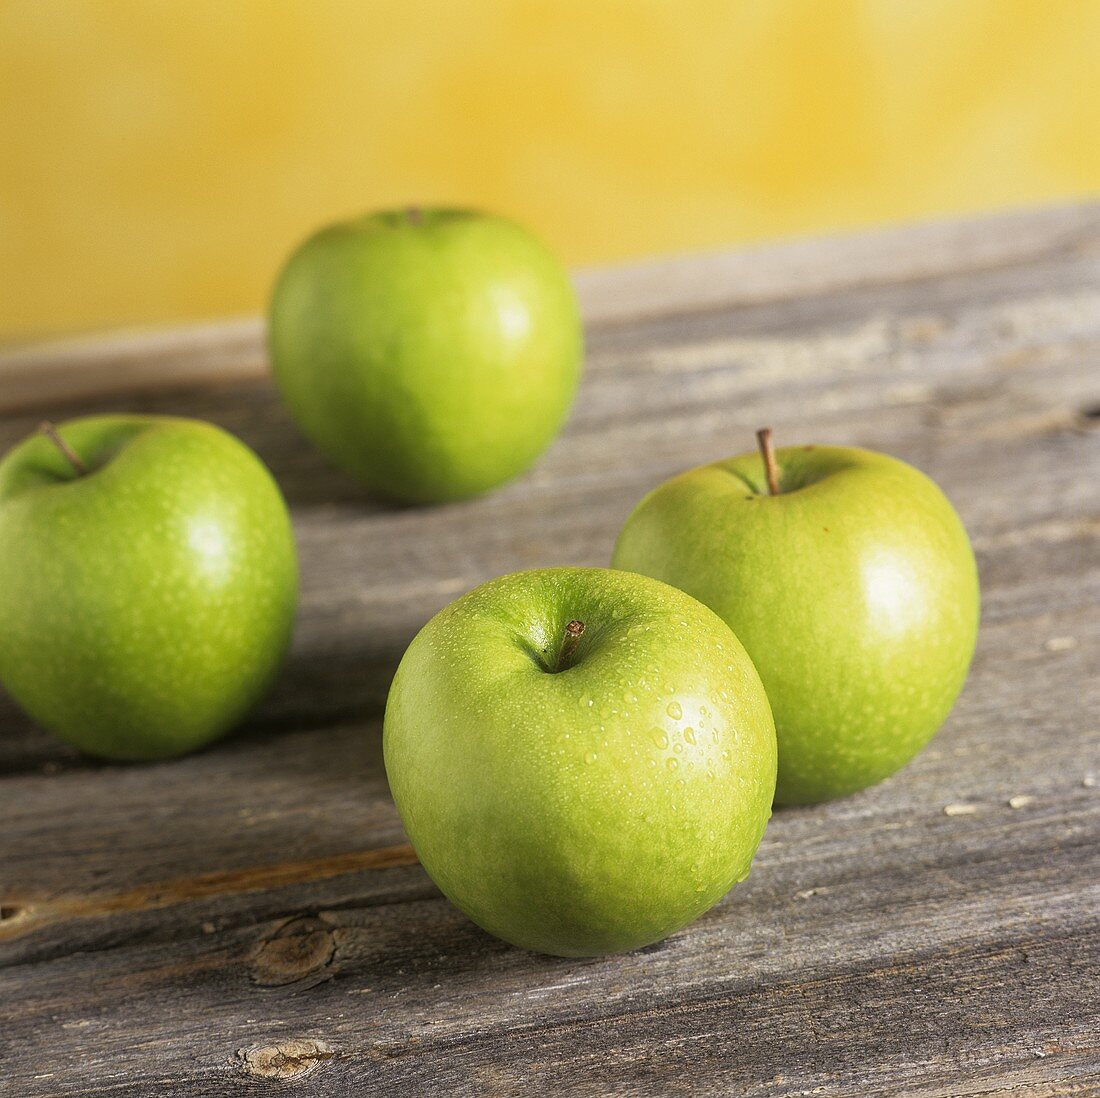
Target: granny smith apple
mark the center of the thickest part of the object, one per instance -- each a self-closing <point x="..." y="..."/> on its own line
<point x="148" y="582"/>
<point x="852" y="585"/>
<point x="432" y="353"/>
<point x="584" y="760"/>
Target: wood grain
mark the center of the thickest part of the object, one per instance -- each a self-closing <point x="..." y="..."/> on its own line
<point x="252" y="918"/>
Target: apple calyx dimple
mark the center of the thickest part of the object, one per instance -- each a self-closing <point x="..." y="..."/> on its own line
<point x="70" y="455"/>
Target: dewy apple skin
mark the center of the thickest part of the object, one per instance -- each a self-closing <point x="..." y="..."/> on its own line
<point x="432" y="353"/>
<point x="148" y="582"/>
<point x="583" y="759"/>
<point x="853" y="588"/>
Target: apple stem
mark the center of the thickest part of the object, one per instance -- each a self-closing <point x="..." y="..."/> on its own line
<point x="71" y="456"/>
<point x="415" y="215"/>
<point x="569" y="642"/>
<point x="767" y="452"/>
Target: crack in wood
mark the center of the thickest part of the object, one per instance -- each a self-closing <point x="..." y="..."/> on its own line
<point x="183" y="890"/>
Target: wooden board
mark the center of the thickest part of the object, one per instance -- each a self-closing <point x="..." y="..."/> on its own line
<point x="252" y="918"/>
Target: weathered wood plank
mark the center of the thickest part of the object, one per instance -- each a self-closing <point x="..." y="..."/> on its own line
<point x="185" y="924"/>
<point x="409" y="983"/>
<point x="201" y="354"/>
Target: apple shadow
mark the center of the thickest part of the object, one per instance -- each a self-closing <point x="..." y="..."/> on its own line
<point x="26" y="748"/>
<point x="314" y="692"/>
<point x="254" y="413"/>
<point x="433" y="943"/>
<point x="318" y="690"/>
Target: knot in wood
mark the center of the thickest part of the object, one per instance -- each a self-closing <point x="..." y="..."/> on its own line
<point x="287" y="1060"/>
<point x="299" y="951"/>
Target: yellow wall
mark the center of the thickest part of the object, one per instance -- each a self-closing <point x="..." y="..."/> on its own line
<point x="159" y="157"/>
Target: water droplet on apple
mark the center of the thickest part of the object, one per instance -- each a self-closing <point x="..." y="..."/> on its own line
<point x="677" y="747"/>
<point x="671" y="764"/>
<point x="689" y="734"/>
<point x="659" y="737"/>
<point x="590" y="757"/>
<point x="675" y="710"/>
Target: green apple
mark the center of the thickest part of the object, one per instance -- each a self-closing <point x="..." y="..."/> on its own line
<point x="852" y="586"/>
<point x="584" y="760"/>
<point x="432" y="353"/>
<point x="148" y="582"/>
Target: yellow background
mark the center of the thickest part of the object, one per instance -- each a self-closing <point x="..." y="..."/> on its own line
<point x="158" y="158"/>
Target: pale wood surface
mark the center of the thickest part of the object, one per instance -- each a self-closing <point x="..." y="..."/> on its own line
<point x="251" y="917"/>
